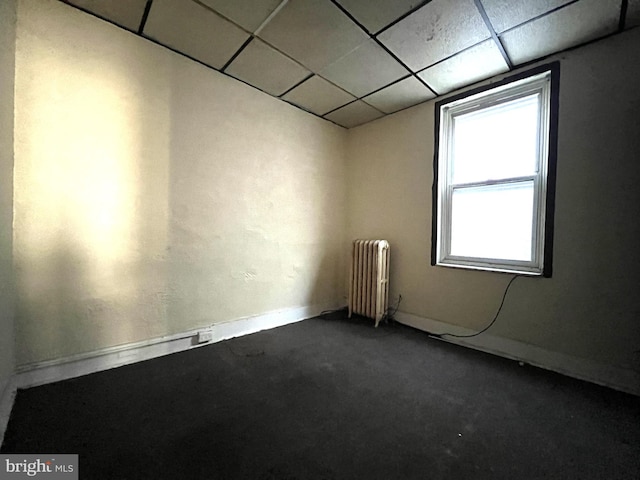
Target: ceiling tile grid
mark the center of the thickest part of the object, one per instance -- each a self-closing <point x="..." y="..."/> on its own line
<point x="315" y="32"/>
<point x="434" y="32"/>
<point x="400" y="95"/>
<point x="249" y="14"/>
<point x="472" y="65"/>
<point x="195" y="31"/>
<point x="125" y="14"/>
<point x="265" y="68"/>
<point x="564" y="28"/>
<point x="365" y="69"/>
<point x="506" y="14"/>
<point x="354" y="114"/>
<point x="318" y="96"/>
<point x="352" y="61"/>
<point x="375" y="15"/>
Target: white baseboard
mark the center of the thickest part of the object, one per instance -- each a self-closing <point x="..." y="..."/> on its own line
<point x="8" y="390"/>
<point x="31" y="375"/>
<point x="609" y="376"/>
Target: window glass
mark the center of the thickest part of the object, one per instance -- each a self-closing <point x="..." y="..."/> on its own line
<point x="496" y="142"/>
<point x="492" y="207"/>
<point x="493" y="221"/>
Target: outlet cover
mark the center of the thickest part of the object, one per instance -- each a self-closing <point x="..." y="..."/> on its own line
<point x="205" y="336"/>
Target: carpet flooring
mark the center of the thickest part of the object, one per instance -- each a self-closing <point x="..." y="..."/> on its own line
<point x="331" y="398"/>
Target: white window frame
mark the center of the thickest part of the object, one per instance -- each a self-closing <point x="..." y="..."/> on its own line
<point x="539" y="83"/>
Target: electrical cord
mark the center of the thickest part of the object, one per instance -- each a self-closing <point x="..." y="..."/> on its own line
<point x="504" y="296"/>
<point x="390" y="316"/>
<point x="327" y="312"/>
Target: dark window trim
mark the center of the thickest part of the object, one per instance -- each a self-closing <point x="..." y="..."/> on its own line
<point x="554" y="68"/>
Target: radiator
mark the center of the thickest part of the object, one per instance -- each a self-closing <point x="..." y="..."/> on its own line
<point x="369" y="279"/>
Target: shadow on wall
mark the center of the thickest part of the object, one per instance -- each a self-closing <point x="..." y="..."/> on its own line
<point x="169" y="198"/>
<point x="256" y="216"/>
<point x="90" y="194"/>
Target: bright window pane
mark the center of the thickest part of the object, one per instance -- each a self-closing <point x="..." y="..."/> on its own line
<point x="496" y="142"/>
<point x="493" y="221"/>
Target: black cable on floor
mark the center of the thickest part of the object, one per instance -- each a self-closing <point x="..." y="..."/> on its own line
<point x="504" y="296"/>
<point x="390" y="316"/>
<point x="327" y="312"/>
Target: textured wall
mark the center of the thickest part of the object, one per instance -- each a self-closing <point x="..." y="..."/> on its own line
<point x="154" y="196"/>
<point x="7" y="56"/>
<point x="590" y="308"/>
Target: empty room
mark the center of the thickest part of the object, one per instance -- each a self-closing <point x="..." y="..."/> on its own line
<point x="319" y="239"/>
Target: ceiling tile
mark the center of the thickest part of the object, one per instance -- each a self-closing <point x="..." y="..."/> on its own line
<point x="402" y="94"/>
<point x="318" y="96"/>
<point x="248" y="14"/>
<point x="436" y="31"/>
<point x="377" y="14"/>
<point x="195" y="31"/>
<point x="314" y="32"/>
<point x="505" y="14"/>
<point x="354" y="114"/>
<point x="633" y="14"/>
<point x="564" y="28"/>
<point x="269" y="70"/>
<point x="364" y="70"/>
<point x="126" y="14"/>
<point x="474" y="64"/>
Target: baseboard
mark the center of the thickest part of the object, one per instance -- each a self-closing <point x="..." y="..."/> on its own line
<point x="609" y="376"/>
<point x="7" y="396"/>
<point x="31" y="375"/>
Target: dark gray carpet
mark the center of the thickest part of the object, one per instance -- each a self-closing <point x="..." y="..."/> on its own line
<point x="331" y="398"/>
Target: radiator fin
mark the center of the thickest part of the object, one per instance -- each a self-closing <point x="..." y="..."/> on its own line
<point x="369" y="279"/>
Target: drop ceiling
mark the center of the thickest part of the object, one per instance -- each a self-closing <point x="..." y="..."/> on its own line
<point x="352" y="61"/>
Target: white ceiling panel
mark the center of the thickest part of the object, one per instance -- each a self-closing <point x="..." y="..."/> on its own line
<point x="436" y="31"/>
<point x="248" y="14"/>
<point x="474" y="64"/>
<point x="505" y="14"/>
<point x="402" y="94"/>
<point x="377" y="14"/>
<point x="314" y="32"/>
<point x="354" y="114"/>
<point x="564" y="28"/>
<point x="317" y="54"/>
<point x="126" y="14"/>
<point x="364" y="70"/>
<point x="263" y="67"/>
<point x="194" y="30"/>
<point x="318" y="96"/>
<point x="633" y="14"/>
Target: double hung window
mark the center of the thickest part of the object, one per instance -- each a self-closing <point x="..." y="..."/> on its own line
<point x="494" y="176"/>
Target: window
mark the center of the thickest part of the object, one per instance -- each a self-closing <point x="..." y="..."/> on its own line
<point x="494" y="175"/>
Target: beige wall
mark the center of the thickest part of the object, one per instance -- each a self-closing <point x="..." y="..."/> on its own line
<point x="154" y="196"/>
<point x="590" y="308"/>
<point x="7" y="56"/>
